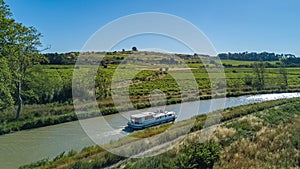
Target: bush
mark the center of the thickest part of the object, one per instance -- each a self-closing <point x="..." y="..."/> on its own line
<point x="199" y="155"/>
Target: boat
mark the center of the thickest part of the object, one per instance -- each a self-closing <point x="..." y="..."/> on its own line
<point x="148" y="119"/>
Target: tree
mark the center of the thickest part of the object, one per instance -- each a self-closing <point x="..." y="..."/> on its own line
<point x="6" y="99"/>
<point x="19" y="45"/>
<point x="161" y="70"/>
<point x="134" y="48"/>
<point x="283" y="74"/>
<point x="259" y="74"/>
<point x="248" y="80"/>
<point x="166" y="70"/>
<point x="42" y="87"/>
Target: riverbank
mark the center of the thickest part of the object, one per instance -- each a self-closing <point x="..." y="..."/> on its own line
<point x="98" y="157"/>
<point x="62" y="115"/>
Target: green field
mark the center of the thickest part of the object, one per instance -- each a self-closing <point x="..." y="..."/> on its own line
<point x="48" y="91"/>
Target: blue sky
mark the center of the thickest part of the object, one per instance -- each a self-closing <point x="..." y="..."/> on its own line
<point x="231" y="25"/>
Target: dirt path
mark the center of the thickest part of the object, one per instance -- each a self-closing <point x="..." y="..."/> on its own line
<point x="170" y="69"/>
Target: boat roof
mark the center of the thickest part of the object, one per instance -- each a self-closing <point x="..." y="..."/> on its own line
<point x="159" y="114"/>
<point x="145" y="114"/>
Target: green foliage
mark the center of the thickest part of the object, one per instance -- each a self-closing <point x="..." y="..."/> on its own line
<point x="291" y="61"/>
<point x="253" y="56"/>
<point x="248" y="80"/>
<point x="61" y="59"/>
<point x="149" y="132"/>
<point x="199" y="155"/>
<point x="284" y="81"/>
<point x="12" y="126"/>
<point x="102" y="84"/>
<point x="42" y="87"/>
<point x="259" y="73"/>
<point x="6" y="99"/>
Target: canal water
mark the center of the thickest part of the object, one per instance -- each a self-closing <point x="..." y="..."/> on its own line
<point x="47" y="142"/>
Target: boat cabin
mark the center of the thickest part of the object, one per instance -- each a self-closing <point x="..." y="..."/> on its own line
<point x="147" y="119"/>
<point x="149" y="116"/>
<point x="142" y="117"/>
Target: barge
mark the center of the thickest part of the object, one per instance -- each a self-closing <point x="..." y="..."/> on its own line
<point x="148" y="119"/>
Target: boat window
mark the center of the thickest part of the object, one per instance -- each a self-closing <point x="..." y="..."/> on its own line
<point x="148" y="117"/>
<point x="136" y="120"/>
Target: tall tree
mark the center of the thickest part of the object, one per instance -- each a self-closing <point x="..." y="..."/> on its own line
<point x="19" y="45"/>
<point x="283" y="73"/>
<point x="259" y="73"/>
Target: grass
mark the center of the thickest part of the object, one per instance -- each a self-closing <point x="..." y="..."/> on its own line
<point x="152" y="131"/>
<point x="274" y="145"/>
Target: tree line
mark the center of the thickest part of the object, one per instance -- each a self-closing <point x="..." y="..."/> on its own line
<point x="71" y="57"/>
<point x="253" y="56"/>
<point x="291" y="61"/>
<point x="60" y="58"/>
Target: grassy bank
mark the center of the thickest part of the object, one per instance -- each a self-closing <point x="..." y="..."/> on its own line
<point x="241" y="125"/>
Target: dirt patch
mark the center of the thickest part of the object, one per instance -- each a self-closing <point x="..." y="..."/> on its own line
<point x="170" y="69"/>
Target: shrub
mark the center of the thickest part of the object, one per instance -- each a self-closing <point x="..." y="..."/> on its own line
<point x="199" y="155"/>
